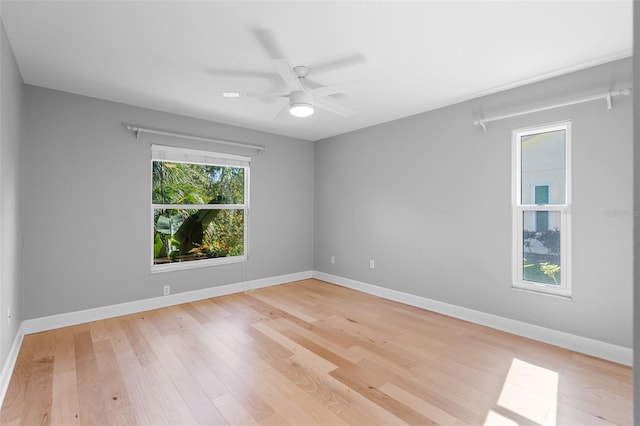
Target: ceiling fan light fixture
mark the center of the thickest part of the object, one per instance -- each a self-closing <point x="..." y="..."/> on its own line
<point x="301" y="103"/>
<point x="301" y="109"/>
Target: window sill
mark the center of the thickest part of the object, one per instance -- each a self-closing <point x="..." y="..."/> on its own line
<point x="195" y="264"/>
<point x="543" y="292"/>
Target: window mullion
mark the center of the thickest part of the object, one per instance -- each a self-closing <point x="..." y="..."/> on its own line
<point x="543" y="208"/>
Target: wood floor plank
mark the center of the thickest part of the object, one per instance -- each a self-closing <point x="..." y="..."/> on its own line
<point x="65" y="404"/>
<point x="300" y="352"/>
<point x="270" y="312"/>
<point x="428" y="410"/>
<point x="291" y="400"/>
<point x="64" y="351"/>
<point x="39" y="393"/>
<point x="142" y="391"/>
<point x="233" y="411"/>
<point x="114" y="391"/>
<point x="239" y="307"/>
<point x="195" y="313"/>
<point x="246" y="374"/>
<point x="202" y="407"/>
<point x="212" y="310"/>
<point x="117" y="337"/>
<point x="162" y="349"/>
<point x="90" y="399"/>
<point x="176" y="409"/>
<point x="392" y="353"/>
<point x="285" y="305"/>
<point x="335" y="355"/>
<point x="138" y="341"/>
<point x="306" y="353"/>
<point x="360" y="384"/>
<point x="16" y="398"/>
<point x="183" y="348"/>
<point x="123" y="416"/>
<point x="232" y="382"/>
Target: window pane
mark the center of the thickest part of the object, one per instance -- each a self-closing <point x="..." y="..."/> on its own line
<point x="541" y="247"/>
<point x="542" y="221"/>
<point x="543" y="168"/>
<point x="541" y="194"/>
<point x="181" y="183"/>
<point x="189" y="234"/>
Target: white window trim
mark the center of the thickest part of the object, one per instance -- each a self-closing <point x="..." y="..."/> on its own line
<point x="184" y="155"/>
<point x="518" y="208"/>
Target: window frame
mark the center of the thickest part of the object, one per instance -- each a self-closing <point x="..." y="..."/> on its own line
<point x="212" y="159"/>
<point x="518" y="210"/>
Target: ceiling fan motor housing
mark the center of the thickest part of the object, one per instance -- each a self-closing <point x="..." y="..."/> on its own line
<point x="301" y="97"/>
<point x="301" y="103"/>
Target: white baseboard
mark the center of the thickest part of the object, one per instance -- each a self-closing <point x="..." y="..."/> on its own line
<point x="10" y="363"/>
<point x="79" y="317"/>
<point x="562" y="339"/>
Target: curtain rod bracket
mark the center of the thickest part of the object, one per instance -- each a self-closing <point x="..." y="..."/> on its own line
<point x="135" y="130"/>
<point x="481" y="124"/>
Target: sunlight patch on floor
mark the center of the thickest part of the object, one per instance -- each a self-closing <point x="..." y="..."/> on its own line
<point x="529" y="391"/>
<point x="495" y="419"/>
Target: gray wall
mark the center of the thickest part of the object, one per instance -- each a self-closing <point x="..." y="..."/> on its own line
<point x="428" y="198"/>
<point x="10" y="195"/>
<point x="86" y="207"/>
<point x="636" y="197"/>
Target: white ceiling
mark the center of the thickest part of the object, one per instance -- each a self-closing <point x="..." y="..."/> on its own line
<point x="403" y="58"/>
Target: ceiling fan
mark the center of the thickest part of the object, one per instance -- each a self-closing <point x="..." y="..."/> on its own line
<point x="302" y="100"/>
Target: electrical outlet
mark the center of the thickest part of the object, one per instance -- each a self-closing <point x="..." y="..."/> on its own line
<point x="166" y="290"/>
<point x="372" y="264"/>
<point x="333" y="259"/>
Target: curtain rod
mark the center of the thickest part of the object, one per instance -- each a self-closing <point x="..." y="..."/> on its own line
<point x="607" y="96"/>
<point x="139" y="130"/>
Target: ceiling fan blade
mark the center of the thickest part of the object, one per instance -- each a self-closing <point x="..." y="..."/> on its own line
<point x="331" y="90"/>
<point x="311" y="84"/>
<point x="265" y="95"/>
<point x="333" y="107"/>
<point x="284" y="112"/>
<point x="268" y="42"/>
<point x="288" y="75"/>
<point x="254" y="95"/>
<point x="222" y="72"/>
<point x="346" y="61"/>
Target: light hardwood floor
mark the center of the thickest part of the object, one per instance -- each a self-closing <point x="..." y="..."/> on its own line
<point x="305" y="353"/>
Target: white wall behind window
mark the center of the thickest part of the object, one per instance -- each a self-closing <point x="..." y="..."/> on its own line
<point x="428" y="198"/>
<point x="87" y="201"/>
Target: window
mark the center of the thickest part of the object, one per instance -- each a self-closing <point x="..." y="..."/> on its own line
<point x="541" y="194"/>
<point x="199" y="208"/>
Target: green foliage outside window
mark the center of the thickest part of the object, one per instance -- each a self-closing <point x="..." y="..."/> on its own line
<point x="188" y="233"/>
<point x="538" y="267"/>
